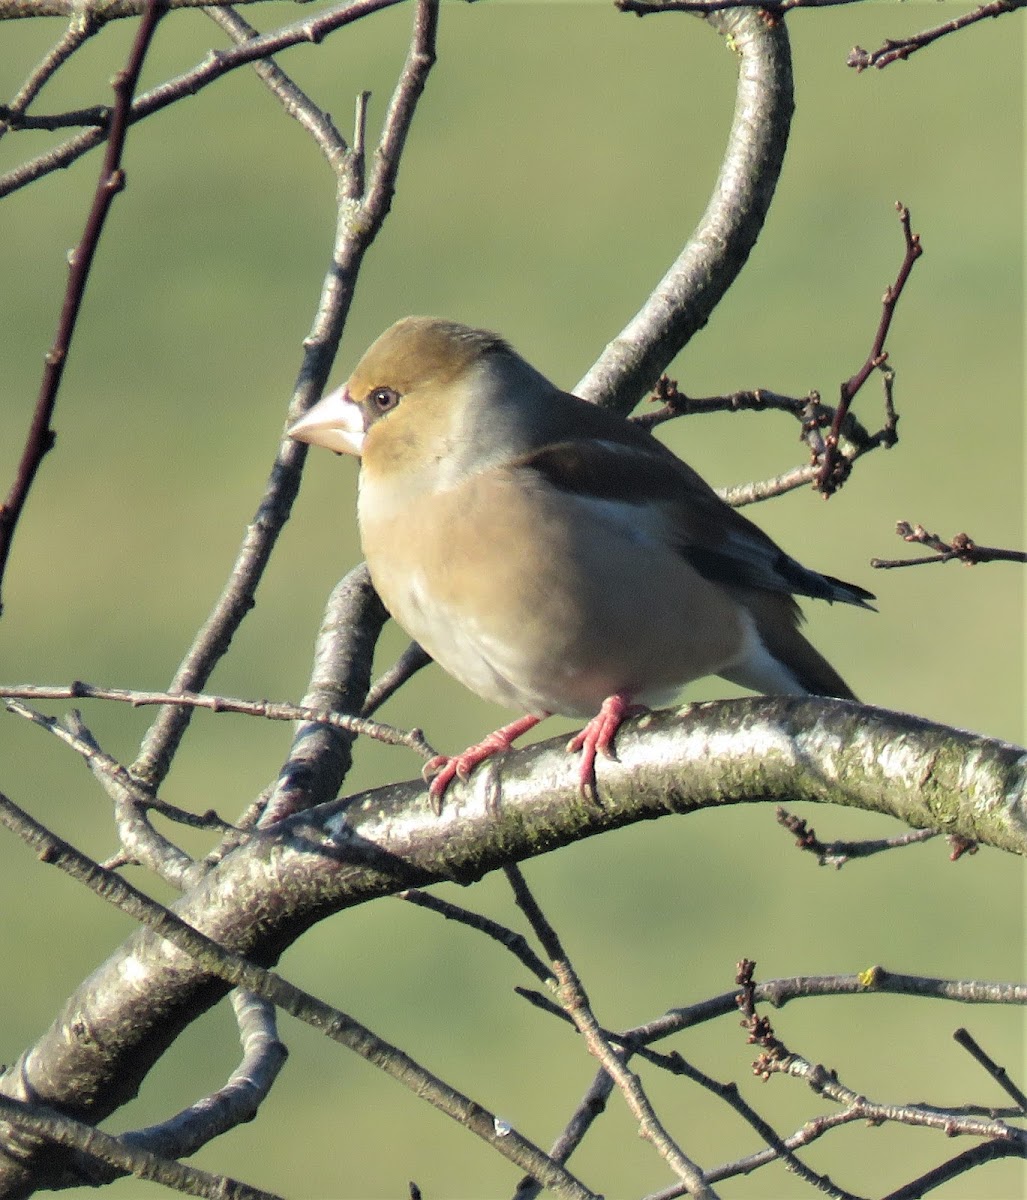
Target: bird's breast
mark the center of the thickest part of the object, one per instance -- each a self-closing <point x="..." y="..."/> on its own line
<point x="541" y="600"/>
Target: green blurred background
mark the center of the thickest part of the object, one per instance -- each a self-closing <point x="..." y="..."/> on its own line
<point x="561" y="155"/>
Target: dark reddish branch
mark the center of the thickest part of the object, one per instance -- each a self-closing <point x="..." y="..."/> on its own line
<point x="828" y="479"/>
<point x="41" y="437"/>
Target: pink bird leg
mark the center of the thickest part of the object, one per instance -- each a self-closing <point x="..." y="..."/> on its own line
<point x="597" y="736"/>
<point x="443" y="768"/>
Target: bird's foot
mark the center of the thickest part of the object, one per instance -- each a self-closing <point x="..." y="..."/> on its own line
<point x="443" y="768"/>
<point x="597" y="737"/>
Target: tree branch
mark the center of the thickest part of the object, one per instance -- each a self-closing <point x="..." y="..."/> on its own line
<point x="683" y="300"/>
<point x="217" y="64"/>
<point x="193" y="949"/>
<point x="282" y="880"/>
<point x="358" y="221"/>
<point x="41" y="437"/>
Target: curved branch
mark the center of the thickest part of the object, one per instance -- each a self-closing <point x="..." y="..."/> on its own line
<point x="320" y="757"/>
<point x="263" y="896"/>
<point x="240" y="1097"/>
<point x="683" y="300"/>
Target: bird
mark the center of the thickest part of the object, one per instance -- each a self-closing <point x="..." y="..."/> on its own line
<point x="552" y="555"/>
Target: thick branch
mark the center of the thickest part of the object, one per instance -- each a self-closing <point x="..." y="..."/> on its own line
<point x="683" y="300"/>
<point x="269" y="891"/>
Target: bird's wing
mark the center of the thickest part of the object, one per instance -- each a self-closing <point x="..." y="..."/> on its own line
<point x="718" y="541"/>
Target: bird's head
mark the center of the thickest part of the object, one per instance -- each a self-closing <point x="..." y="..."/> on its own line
<point x="413" y="397"/>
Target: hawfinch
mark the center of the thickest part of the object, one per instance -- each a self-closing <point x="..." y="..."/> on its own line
<point x="551" y="555"/>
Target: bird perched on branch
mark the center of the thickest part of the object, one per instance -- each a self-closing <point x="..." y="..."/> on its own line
<point x="551" y="555"/>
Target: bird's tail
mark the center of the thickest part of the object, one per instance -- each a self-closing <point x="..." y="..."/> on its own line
<point x="783" y="661"/>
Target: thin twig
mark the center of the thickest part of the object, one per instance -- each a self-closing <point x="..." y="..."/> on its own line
<point x="116" y="771"/>
<point x="575" y="1003"/>
<point x="81" y="27"/>
<point x="647" y="8"/>
<point x="958" y="1165"/>
<point x="412" y="660"/>
<point x="962" y="548"/>
<point x="214" y="66"/>
<point x="950" y="1122"/>
<point x="513" y="941"/>
<point x="592" y="1104"/>
<point x="271" y="710"/>
<point x="294" y="100"/>
<point x="41" y="437"/>
<point x="240" y="1098"/>
<point x="896" y="50"/>
<point x="965" y="1039"/>
<point x="681" y="303"/>
<point x="838" y="853"/>
<point x="354" y="233"/>
<point x="854" y="440"/>
<point x="832" y="473"/>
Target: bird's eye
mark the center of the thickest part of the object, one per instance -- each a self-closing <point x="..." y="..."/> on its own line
<point x="383" y="399"/>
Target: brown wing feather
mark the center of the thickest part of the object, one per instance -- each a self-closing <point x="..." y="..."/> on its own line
<point x="719" y="542"/>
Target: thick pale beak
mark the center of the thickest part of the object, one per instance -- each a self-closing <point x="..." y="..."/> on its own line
<point x="334" y="422"/>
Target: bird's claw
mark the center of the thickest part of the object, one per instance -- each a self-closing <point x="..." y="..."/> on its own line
<point x="597" y="738"/>
<point x="444" y="768"/>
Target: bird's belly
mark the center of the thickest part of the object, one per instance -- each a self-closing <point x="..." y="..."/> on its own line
<point x="602" y="611"/>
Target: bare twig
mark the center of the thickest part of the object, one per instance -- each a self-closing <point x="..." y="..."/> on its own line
<point x="775" y="1058"/>
<point x="647" y="8"/>
<point x="958" y="1165"/>
<point x="139" y="840"/>
<point x="591" y="1106"/>
<point x="412" y="660"/>
<point x="310" y="29"/>
<point x="293" y="99"/>
<point x="833" y="469"/>
<point x="103" y="764"/>
<point x="950" y="1122"/>
<point x="717" y="250"/>
<point x="575" y="1003"/>
<point x="515" y="942"/>
<point x="854" y="439"/>
<point x="895" y="50"/>
<point x="102" y="10"/>
<point x="41" y="437"/>
<point x="838" y="853"/>
<point x="270" y="710"/>
<point x="354" y="233"/>
<point x="962" y="547"/>
<point x="81" y="27"/>
<point x="741" y="494"/>
<point x="807" y="409"/>
<point x="965" y="1039"/>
